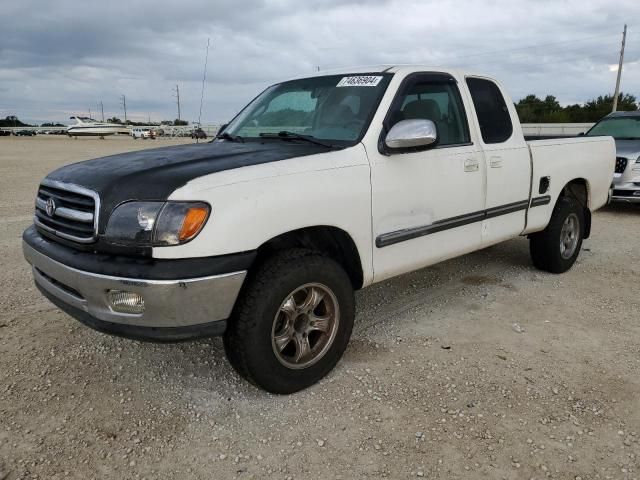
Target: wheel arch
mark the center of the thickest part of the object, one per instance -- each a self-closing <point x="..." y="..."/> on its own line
<point x="332" y="241"/>
<point x="579" y="190"/>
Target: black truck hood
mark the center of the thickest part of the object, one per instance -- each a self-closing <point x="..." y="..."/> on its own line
<point x="155" y="174"/>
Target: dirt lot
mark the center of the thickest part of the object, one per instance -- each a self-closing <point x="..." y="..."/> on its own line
<point x="436" y="382"/>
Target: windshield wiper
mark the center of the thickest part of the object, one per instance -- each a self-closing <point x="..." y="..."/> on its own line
<point x="285" y="135"/>
<point x="231" y="138"/>
<point x="627" y="138"/>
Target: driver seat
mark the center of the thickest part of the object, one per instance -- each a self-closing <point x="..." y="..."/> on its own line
<point x="429" y="110"/>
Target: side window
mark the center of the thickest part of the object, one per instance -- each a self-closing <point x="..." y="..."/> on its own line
<point x="439" y="102"/>
<point x="493" y="114"/>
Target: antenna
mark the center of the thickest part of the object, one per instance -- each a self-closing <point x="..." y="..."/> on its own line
<point x="204" y="78"/>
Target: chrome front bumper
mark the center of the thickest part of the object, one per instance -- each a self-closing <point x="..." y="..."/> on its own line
<point x="168" y="304"/>
<point x="626" y="185"/>
<point x="626" y="192"/>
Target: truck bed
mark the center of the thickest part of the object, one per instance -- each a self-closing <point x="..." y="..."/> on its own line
<point x="559" y="159"/>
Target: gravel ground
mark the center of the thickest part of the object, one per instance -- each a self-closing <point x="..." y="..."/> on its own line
<point x="436" y="383"/>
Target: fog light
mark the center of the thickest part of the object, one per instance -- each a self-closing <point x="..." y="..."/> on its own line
<point x="125" y="302"/>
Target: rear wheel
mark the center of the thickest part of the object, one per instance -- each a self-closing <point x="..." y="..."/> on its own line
<point x="292" y="322"/>
<point x="557" y="247"/>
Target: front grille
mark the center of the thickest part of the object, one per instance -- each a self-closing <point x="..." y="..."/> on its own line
<point x="621" y="164"/>
<point x="67" y="211"/>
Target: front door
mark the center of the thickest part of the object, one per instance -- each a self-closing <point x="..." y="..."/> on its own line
<point x="427" y="205"/>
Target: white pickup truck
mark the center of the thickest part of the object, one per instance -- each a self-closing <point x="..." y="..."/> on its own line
<point x="319" y="187"/>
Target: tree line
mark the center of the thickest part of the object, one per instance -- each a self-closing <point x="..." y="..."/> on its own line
<point x="532" y="109"/>
<point x="12" y="121"/>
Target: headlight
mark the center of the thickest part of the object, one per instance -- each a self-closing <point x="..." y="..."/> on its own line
<point x="156" y="223"/>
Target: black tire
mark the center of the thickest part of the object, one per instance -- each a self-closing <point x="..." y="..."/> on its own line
<point x="545" y="247"/>
<point x="248" y="339"/>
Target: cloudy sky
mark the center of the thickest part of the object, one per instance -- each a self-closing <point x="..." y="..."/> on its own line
<point x="60" y="58"/>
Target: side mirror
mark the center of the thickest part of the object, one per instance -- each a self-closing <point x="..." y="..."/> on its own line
<point x="222" y="127"/>
<point x="412" y="133"/>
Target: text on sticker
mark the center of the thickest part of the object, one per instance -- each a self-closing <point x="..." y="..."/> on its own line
<point x="359" y="81"/>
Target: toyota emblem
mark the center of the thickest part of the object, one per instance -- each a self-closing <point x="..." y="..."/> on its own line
<point x="51" y="207"/>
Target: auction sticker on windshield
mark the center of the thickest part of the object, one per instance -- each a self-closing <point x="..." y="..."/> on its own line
<point x="359" y="81"/>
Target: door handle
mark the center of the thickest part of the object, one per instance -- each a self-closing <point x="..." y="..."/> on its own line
<point x="471" y="165"/>
<point x="495" y="162"/>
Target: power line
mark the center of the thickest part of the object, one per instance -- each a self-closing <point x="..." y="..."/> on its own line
<point x="524" y="55"/>
<point x="531" y="67"/>
<point x="534" y="46"/>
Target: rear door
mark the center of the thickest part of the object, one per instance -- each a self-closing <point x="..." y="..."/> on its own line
<point x="507" y="160"/>
<point x="427" y="205"/>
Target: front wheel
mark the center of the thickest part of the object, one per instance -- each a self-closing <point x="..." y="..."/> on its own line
<point x="292" y="322"/>
<point x="557" y="247"/>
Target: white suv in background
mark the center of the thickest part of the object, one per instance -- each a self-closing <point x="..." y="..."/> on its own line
<point x="142" y="133"/>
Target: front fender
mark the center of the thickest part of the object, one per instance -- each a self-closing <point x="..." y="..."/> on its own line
<point x="264" y="201"/>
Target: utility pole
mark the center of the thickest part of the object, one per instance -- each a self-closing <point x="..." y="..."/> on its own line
<point x="89" y="112"/>
<point x="124" y="105"/>
<point x="101" y="109"/>
<point x="615" y="95"/>
<point x="178" y="97"/>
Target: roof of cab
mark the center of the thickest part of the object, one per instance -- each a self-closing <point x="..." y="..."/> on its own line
<point x="386" y="69"/>
<point x="395" y="68"/>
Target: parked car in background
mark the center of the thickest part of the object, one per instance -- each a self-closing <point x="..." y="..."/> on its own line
<point x="25" y="133"/>
<point x="142" y="133"/>
<point x="198" y="133"/>
<point x="624" y="127"/>
<point x="4" y="133"/>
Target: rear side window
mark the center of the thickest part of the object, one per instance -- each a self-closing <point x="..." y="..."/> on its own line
<point x="493" y="114"/>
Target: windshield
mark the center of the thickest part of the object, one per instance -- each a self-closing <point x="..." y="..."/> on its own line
<point x="620" y="128"/>
<point x="336" y="108"/>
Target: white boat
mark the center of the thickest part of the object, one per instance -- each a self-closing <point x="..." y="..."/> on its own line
<point x="86" y="126"/>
